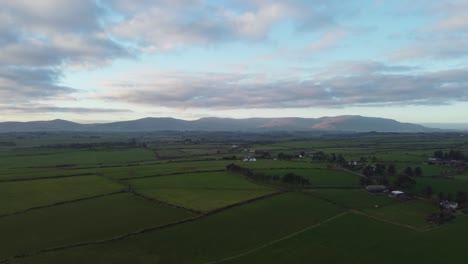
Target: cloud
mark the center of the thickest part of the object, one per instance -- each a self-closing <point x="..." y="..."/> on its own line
<point x="453" y="16"/>
<point x="158" y="26"/>
<point x="375" y="84"/>
<point x="445" y="38"/>
<point x="25" y="84"/>
<point x="356" y="68"/>
<point x="436" y="49"/>
<point x="32" y="108"/>
<point x="326" y="41"/>
<point x="40" y="39"/>
<point x="53" y="32"/>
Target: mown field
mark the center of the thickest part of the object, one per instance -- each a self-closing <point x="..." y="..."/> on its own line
<point x="143" y="198"/>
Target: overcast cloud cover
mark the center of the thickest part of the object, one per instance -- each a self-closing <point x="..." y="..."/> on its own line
<point x="122" y="59"/>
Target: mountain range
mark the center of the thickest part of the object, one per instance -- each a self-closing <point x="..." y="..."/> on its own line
<point x="348" y="123"/>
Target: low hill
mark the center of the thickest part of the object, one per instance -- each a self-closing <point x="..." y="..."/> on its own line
<point x="349" y="123"/>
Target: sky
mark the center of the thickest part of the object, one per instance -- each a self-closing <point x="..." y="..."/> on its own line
<point x="110" y="60"/>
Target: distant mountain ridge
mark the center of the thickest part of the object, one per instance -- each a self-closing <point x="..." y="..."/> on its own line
<point x="346" y="123"/>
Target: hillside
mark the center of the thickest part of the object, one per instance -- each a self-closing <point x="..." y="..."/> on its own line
<point x="347" y="123"/>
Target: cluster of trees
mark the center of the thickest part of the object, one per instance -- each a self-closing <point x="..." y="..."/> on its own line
<point x="261" y="154"/>
<point x="450" y="155"/>
<point x="410" y="172"/>
<point x="284" y="156"/>
<point x="460" y="197"/>
<point x="324" y="157"/>
<point x="234" y="157"/>
<point x="405" y="179"/>
<point x="441" y="217"/>
<point x="377" y="174"/>
<point x="444" y="214"/>
<point x="289" y="178"/>
<point x="236" y="168"/>
<point x="133" y="143"/>
<point x="405" y="182"/>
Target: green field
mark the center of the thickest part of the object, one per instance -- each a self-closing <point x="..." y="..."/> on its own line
<point x="163" y="169"/>
<point x="319" y="177"/>
<point x="200" y="191"/>
<point x="74" y="158"/>
<point x="168" y="198"/>
<point x="358" y="239"/>
<point x="85" y="221"/>
<point x="21" y="195"/>
<point x="208" y="239"/>
<point x="354" y="199"/>
<point x="409" y="213"/>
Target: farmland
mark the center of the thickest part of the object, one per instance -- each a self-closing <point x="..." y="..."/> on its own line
<point x="191" y="198"/>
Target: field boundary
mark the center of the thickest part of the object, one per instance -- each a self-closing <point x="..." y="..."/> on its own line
<point x="157" y="201"/>
<point x="138" y="232"/>
<point x="62" y="203"/>
<point x="48" y="177"/>
<point x="167" y="174"/>
<point x="381" y="219"/>
<point x="278" y="240"/>
<point x="354" y="210"/>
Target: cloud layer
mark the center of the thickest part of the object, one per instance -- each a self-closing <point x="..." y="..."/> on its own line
<point x="364" y="84"/>
<point x="42" y="41"/>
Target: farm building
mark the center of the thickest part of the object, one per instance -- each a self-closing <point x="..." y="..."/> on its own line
<point x="449" y="205"/>
<point x="396" y="193"/>
<point x="249" y="159"/>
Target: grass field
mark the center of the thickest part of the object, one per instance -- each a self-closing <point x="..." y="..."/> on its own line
<point x="208" y="239"/>
<point x="200" y="191"/>
<point x="21" y="195"/>
<point x="354" y="199"/>
<point x="319" y="177"/>
<point x="163" y="169"/>
<point x="441" y="185"/>
<point x="409" y="213"/>
<point x="84" y="221"/>
<point x="76" y="158"/>
<point x="164" y="199"/>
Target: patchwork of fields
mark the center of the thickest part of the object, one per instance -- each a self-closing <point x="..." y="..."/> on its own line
<point x="176" y="202"/>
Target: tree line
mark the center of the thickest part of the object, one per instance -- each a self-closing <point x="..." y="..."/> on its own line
<point x="288" y="178"/>
<point x="449" y="155"/>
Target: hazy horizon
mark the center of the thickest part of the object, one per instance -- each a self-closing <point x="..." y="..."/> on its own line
<point x="91" y="61"/>
<point x="448" y="126"/>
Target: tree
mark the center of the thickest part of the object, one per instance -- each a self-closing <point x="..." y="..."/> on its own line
<point x="409" y="172"/>
<point x="380" y="169"/>
<point x="364" y="181"/>
<point x="428" y="191"/>
<point x="405" y="182"/>
<point x="320" y="156"/>
<point x="391" y="169"/>
<point x="418" y="171"/>
<point x="439" y="154"/>
<point x="368" y="171"/>
<point x="461" y="197"/>
<point x="441" y="196"/>
<point x="283" y="156"/>
<point x="340" y="159"/>
<point x="450" y="197"/>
